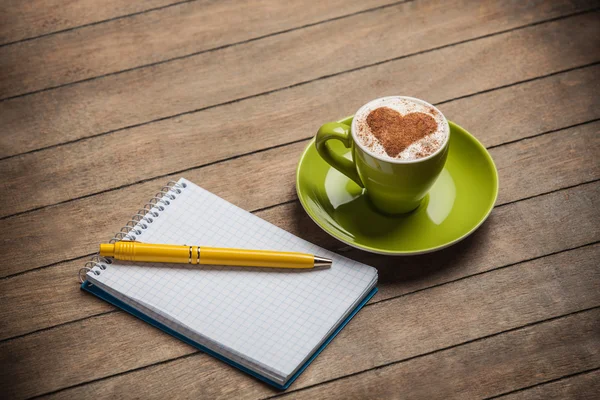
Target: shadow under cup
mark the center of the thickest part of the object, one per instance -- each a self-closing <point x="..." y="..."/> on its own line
<point x="392" y="186"/>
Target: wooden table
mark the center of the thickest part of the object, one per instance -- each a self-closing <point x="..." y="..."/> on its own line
<point x="104" y="101"/>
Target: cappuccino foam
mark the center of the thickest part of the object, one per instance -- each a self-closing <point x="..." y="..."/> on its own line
<point x="372" y="118"/>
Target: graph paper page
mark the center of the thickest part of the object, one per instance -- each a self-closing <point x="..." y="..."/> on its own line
<point x="274" y="319"/>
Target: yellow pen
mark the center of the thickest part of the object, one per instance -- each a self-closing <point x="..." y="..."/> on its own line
<point x="168" y="253"/>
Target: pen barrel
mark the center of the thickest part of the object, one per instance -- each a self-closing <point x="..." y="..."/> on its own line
<point x="168" y="253"/>
<point x="255" y="258"/>
<point x="161" y="253"/>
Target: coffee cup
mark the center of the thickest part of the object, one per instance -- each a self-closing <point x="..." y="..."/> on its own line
<point x="395" y="158"/>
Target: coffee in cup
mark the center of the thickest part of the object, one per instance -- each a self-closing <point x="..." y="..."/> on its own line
<point x="400" y="128"/>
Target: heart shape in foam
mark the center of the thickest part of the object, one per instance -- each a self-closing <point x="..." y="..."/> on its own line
<point x="396" y="132"/>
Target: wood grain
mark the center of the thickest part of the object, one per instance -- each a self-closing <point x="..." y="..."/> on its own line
<point x="526" y="169"/>
<point x="380" y="334"/>
<point x="154" y="37"/>
<point x="84" y="223"/>
<point x="481" y="369"/>
<point x="26" y="19"/>
<point x="55" y="300"/>
<point x="140" y="153"/>
<point x="181" y="86"/>
<point x="583" y="387"/>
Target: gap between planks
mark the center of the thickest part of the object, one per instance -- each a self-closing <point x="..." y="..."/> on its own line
<point x="85" y="25"/>
<point x="546" y="385"/>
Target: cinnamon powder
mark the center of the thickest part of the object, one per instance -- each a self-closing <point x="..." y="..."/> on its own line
<point x="396" y="132"/>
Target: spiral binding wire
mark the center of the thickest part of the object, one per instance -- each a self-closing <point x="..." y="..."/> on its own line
<point x="135" y="226"/>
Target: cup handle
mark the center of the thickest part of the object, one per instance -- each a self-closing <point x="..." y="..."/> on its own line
<point x="341" y="132"/>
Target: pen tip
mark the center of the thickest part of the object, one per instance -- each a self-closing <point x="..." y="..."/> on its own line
<point x="322" y="262"/>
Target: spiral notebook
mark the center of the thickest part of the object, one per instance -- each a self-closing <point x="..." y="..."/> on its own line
<point x="268" y="322"/>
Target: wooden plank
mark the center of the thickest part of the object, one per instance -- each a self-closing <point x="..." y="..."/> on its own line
<point x="88" y="217"/>
<point x="181" y="86"/>
<point x="481" y="369"/>
<point x="27" y="19"/>
<point x="114" y="160"/>
<point x="153" y="37"/>
<point x="582" y="387"/>
<point x="50" y="296"/>
<point x="526" y="169"/>
<point x="529" y="167"/>
<point x="431" y="372"/>
<point x="380" y="334"/>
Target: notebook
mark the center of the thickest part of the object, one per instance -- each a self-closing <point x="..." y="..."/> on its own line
<point x="270" y="323"/>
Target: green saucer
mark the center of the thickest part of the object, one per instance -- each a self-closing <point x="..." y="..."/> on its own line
<point x="458" y="203"/>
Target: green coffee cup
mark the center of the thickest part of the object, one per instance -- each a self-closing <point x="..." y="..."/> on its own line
<point x="394" y="186"/>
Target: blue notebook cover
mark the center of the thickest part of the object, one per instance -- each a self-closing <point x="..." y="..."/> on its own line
<point x="118" y="303"/>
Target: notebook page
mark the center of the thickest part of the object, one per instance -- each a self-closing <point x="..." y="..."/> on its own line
<point x="273" y="318"/>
